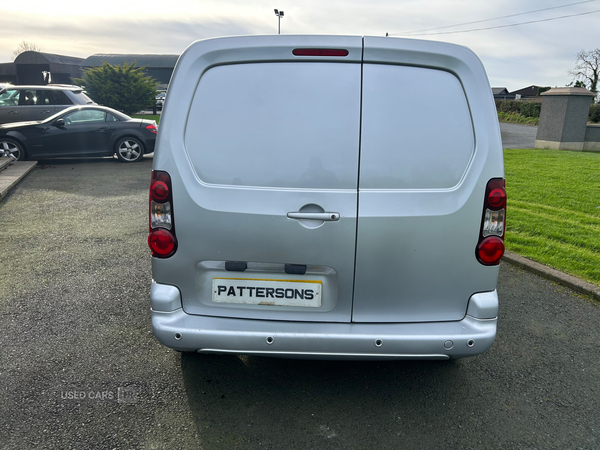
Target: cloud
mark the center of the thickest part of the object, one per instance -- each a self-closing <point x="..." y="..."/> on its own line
<point x="76" y="38"/>
<point x="514" y="57"/>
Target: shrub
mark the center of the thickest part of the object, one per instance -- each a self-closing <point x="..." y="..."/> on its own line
<point x="531" y="109"/>
<point x="521" y="107"/>
<point x="125" y="88"/>
<point x="508" y="106"/>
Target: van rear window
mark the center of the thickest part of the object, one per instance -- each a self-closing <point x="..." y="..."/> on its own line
<point x="417" y="131"/>
<point x="289" y="125"/>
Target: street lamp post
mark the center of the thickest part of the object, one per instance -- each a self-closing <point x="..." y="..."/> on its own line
<point x="279" y="15"/>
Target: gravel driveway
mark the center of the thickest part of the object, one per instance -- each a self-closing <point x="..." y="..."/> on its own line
<point x="79" y="367"/>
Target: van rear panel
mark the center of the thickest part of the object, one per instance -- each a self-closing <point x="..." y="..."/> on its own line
<point x="263" y="140"/>
<point x="345" y="189"/>
<point x="416" y="189"/>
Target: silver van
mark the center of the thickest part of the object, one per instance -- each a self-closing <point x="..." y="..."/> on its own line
<point x="327" y="197"/>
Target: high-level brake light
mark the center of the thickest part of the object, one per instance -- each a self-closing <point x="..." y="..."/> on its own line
<point x="319" y="52"/>
<point x="161" y="239"/>
<point x="490" y="247"/>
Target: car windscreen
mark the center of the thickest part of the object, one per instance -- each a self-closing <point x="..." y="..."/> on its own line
<point x="116" y="114"/>
<point x="57" y="115"/>
<point x="83" y="98"/>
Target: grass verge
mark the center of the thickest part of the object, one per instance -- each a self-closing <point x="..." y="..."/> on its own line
<point x="518" y="119"/>
<point x="553" y="212"/>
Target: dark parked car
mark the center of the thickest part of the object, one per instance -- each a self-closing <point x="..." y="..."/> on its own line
<point x="23" y="103"/>
<point x="80" y="131"/>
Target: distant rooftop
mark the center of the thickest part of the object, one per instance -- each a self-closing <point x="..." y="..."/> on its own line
<point x="31" y="57"/>
<point x="154" y="61"/>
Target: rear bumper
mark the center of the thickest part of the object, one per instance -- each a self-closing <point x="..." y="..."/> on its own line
<point x="313" y="340"/>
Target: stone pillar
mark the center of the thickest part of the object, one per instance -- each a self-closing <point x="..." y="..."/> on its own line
<point x="563" y="118"/>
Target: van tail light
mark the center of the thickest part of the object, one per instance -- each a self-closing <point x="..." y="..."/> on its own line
<point x="161" y="239"/>
<point x="162" y="243"/>
<point x="490" y="247"/>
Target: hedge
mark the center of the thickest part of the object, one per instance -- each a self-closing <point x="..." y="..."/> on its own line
<point x="524" y="108"/>
<point x="533" y="109"/>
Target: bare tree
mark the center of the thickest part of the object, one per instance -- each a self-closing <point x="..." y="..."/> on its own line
<point x="25" y="46"/>
<point x="587" y="69"/>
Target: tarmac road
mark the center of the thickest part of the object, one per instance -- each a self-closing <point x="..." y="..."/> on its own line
<point x="517" y="136"/>
<point x="79" y="367"/>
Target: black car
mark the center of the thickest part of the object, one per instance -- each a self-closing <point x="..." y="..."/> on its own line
<point x="80" y="131"/>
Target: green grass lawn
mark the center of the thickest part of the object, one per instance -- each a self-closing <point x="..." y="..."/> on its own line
<point x="147" y="116"/>
<point x="553" y="213"/>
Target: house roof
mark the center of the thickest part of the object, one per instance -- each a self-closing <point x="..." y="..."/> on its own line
<point x="31" y="57"/>
<point x="529" y="91"/>
<point x="499" y="90"/>
<point x="154" y="61"/>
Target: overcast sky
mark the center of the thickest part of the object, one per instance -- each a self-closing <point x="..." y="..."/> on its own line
<point x="515" y="56"/>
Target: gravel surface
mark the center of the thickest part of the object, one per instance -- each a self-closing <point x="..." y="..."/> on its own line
<point x="79" y="367"/>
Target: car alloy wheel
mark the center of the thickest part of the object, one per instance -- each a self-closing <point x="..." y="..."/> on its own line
<point x="130" y="150"/>
<point x="11" y="149"/>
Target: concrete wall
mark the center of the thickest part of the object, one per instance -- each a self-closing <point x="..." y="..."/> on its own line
<point x="592" y="139"/>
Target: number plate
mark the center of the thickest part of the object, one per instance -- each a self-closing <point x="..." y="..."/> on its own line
<point x="267" y="292"/>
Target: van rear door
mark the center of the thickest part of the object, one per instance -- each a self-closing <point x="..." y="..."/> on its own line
<point x="268" y="174"/>
<point x="423" y="168"/>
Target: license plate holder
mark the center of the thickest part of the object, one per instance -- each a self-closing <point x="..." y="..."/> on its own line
<point x="251" y="291"/>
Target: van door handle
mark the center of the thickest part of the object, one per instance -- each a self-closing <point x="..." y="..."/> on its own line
<point x="328" y="216"/>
